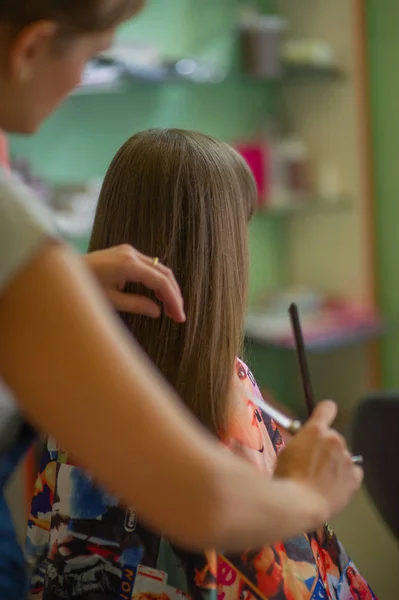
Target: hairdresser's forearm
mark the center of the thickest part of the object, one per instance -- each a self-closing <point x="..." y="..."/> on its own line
<point x="261" y="511"/>
<point x="92" y="389"/>
<point x="79" y="377"/>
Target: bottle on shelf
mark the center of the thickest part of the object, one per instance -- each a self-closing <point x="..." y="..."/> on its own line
<point x="280" y="167"/>
<point x="288" y="176"/>
<point x="260" y="40"/>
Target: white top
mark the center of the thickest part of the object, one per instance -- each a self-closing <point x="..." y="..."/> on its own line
<point x="25" y="224"/>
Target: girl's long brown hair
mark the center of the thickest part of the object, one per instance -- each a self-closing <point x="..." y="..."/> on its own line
<point x="186" y="198"/>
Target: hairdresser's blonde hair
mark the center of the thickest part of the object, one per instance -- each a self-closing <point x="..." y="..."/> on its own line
<point x="187" y="198"/>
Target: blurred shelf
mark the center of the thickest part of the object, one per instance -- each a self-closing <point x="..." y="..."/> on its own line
<point x="125" y="86"/>
<point x="74" y="226"/>
<point x="319" y="339"/>
<point x="312" y="74"/>
<point x="108" y="80"/>
<point x="164" y="76"/>
<point x="309" y="207"/>
<point x="114" y="87"/>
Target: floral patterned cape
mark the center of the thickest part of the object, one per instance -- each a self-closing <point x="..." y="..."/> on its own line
<point x="82" y="544"/>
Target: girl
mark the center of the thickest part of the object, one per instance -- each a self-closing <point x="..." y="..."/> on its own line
<point x="67" y="362"/>
<point x="187" y="198"/>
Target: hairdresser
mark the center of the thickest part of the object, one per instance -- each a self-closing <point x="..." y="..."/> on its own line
<point x="68" y="363"/>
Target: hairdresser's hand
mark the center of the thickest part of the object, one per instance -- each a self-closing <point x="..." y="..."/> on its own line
<point x="319" y="457"/>
<point x="116" y="267"/>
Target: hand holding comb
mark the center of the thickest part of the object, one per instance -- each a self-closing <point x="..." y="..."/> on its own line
<point x="292" y="426"/>
<point x="304" y="366"/>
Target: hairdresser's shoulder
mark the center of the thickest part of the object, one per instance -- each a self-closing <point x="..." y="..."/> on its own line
<point x="25" y="224"/>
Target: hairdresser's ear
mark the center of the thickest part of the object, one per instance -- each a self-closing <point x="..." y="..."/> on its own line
<point x="31" y="49"/>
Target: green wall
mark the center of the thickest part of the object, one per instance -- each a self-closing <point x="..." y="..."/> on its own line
<point x="79" y="141"/>
<point x="383" y="37"/>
